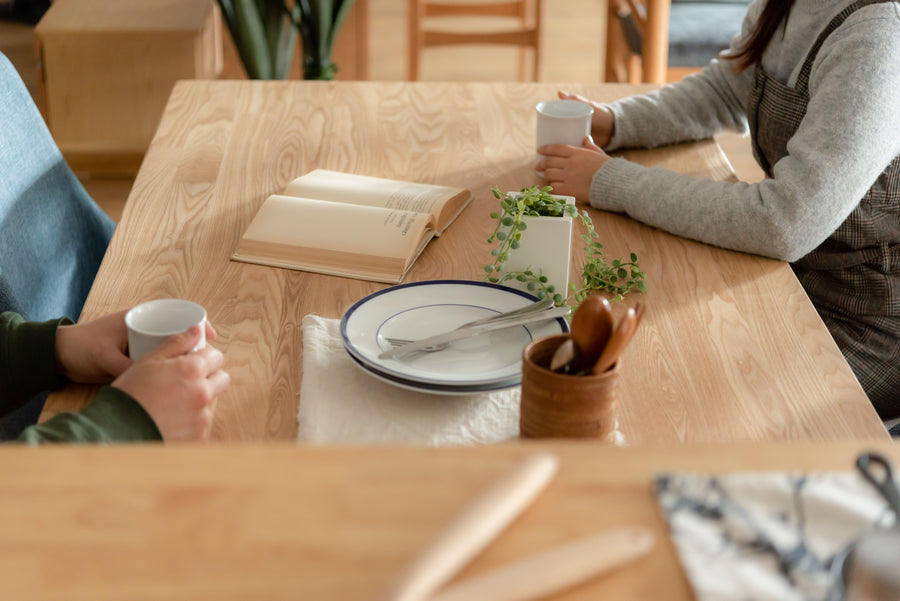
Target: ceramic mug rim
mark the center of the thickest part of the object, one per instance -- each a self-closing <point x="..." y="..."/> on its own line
<point x="196" y="312"/>
<point x="570" y="109"/>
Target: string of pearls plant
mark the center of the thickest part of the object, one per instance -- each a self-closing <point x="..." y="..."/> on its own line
<point x="615" y="277"/>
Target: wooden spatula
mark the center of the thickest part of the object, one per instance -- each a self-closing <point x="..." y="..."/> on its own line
<point x="474" y="529"/>
<point x="554" y="570"/>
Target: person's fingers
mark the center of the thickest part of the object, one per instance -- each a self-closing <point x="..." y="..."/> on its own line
<point x="560" y="150"/>
<point x="178" y="344"/>
<point x="588" y="143"/>
<point x="553" y="174"/>
<point x="219" y="382"/>
<point x="212" y="359"/>
<point x="551" y="162"/>
<point x="210" y="331"/>
<point x="563" y="95"/>
<point x="556" y="181"/>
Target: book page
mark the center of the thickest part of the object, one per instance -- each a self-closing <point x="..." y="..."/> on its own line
<point x="334" y="238"/>
<point x="349" y="188"/>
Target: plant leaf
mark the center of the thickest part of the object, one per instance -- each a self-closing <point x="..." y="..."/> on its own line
<point x="251" y="40"/>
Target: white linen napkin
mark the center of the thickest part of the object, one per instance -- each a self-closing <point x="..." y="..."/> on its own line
<point x="340" y="403"/>
<point x="767" y="535"/>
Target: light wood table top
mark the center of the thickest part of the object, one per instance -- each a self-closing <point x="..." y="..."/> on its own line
<point x="730" y="348"/>
<point x="278" y="521"/>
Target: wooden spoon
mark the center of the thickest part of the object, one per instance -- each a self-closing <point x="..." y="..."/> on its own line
<point x="564" y="355"/>
<point x="639" y="309"/>
<point x="617" y="342"/>
<point x="592" y="325"/>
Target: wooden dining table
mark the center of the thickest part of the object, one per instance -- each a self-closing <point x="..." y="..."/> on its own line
<point x="290" y="522"/>
<point x="730" y="348"/>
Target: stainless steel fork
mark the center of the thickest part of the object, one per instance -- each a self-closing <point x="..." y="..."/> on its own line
<point x="395" y="342"/>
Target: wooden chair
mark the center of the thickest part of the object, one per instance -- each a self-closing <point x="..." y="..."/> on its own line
<point x="658" y="41"/>
<point x="426" y="15"/>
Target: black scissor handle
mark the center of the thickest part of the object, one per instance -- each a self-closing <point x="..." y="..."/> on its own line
<point x="882" y="479"/>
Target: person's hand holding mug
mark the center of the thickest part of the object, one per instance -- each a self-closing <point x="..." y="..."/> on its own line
<point x="176" y="382"/>
<point x="96" y="352"/>
<point x="569" y="170"/>
<point x="177" y="385"/>
<point x="602" y="121"/>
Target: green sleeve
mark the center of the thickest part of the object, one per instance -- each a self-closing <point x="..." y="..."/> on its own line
<point x="28" y="366"/>
<point x="27" y="359"/>
<point x="113" y="416"/>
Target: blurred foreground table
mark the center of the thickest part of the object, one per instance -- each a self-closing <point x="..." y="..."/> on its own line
<point x="238" y="522"/>
<point x="730" y="348"/>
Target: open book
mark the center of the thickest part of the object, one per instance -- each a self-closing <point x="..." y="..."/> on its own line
<point x="350" y="225"/>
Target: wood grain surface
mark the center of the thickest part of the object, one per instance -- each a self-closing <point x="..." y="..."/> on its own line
<point x="281" y="522"/>
<point x="730" y="348"/>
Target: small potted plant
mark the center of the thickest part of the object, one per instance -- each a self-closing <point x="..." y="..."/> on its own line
<point x="539" y="260"/>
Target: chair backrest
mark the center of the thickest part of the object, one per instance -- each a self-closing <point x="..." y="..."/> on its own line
<point x="637" y="40"/>
<point x="427" y="16"/>
<point x="655" y="41"/>
<point x="52" y="234"/>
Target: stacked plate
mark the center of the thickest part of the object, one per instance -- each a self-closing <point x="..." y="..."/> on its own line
<point x="490" y="361"/>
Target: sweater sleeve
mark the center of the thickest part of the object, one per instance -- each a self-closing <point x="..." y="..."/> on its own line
<point x="28" y="366"/>
<point x="847" y="138"/>
<point x="113" y="416"/>
<point x="27" y="359"/>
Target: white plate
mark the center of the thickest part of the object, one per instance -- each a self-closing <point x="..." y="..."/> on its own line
<point x="419" y="309"/>
<point x="434" y="388"/>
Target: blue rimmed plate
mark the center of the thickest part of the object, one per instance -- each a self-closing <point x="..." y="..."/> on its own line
<point x="419" y="309"/>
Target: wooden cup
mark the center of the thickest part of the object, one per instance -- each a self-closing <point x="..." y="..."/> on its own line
<point x="555" y="405"/>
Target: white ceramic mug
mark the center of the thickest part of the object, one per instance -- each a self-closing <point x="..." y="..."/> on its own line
<point x="150" y="324"/>
<point x="562" y="122"/>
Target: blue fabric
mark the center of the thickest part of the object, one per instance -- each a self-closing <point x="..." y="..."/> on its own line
<point x="52" y="234"/>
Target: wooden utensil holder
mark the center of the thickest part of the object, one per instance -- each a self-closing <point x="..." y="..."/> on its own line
<point x="555" y="405"/>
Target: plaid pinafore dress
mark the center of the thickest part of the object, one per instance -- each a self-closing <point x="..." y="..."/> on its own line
<point x="853" y="278"/>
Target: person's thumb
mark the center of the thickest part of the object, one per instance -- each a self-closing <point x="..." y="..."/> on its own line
<point x="179" y="344"/>
<point x="588" y="143"/>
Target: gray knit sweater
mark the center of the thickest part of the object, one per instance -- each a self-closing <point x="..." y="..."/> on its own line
<point x="850" y="134"/>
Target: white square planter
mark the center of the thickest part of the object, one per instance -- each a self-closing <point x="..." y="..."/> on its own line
<point x="546" y="246"/>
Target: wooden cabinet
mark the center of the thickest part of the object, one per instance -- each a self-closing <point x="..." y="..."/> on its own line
<point x="107" y="69"/>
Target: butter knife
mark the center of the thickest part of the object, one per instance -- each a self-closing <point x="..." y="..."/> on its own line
<point x="544" y="303"/>
<point x="476" y="330"/>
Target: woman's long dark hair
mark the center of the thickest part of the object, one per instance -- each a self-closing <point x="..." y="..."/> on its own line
<point x="751" y="51"/>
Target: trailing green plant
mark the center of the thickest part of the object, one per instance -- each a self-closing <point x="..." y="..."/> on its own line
<point x="265" y="35"/>
<point x="615" y="277"/>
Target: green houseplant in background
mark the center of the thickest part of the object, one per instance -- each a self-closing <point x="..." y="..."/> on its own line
<point x="265" y="34"/>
